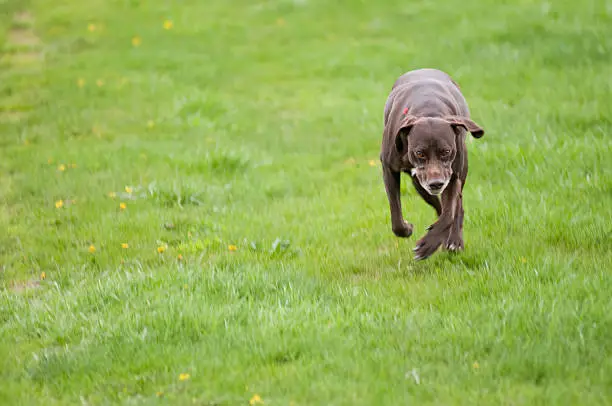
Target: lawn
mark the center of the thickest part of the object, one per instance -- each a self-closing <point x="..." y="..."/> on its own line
<point x="192" y="208"/>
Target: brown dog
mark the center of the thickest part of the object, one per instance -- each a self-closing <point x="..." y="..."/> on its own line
<point x="426" y="119"/>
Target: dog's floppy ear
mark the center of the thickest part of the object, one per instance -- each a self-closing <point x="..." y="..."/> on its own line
<point x="402" y="132"/>
<point x="466" y="123"/>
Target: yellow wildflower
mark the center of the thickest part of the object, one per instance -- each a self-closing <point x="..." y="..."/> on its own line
<point x="232" y="247"/>
<point x="112" y="195"/>
<point x="43" y="276"/>
<point x="125" y="245"/>
<point x="180" y="257"/>
<point x="99" y="83"/>
<point x="122" y="206"/>
<point x="475" y="365"/>
<point x="161" y="249"/>
<point x="128" y="189"/>
<point x="61" y="168"/>
<point x="136" y="41"/>
<point x="91" y="27"/>
<point x="59" y="204"/>
<point x="92" y="249"/>
<point x="159" y="394"/>
<point x="168" y="24"/>
<point x="523" y="260"/>
<point x="81" y="82"/>
<point x="280" y="22"/>
<point x="184" y="377"/>
<point x="150" y="124"/>
<point x="372" y="162"/>
<point x="256" y="400"/>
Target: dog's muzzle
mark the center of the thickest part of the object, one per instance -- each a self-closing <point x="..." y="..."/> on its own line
<point x="434" y="187"/>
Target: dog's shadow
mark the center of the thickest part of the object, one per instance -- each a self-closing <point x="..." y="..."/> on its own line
<point x="441" y="261"/>
<point x="472" y="260"/>
<point x="401" y="265"/>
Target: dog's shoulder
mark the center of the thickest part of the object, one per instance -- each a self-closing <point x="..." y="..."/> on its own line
<point x="395" y="112"/>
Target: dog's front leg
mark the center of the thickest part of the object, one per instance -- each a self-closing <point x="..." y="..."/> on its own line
<point x="400" y="227"/>
<point x="455" y="238"/>
<point x="439" y="231"/>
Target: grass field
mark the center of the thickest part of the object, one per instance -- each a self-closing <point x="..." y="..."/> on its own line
<point x="192" y="209"/>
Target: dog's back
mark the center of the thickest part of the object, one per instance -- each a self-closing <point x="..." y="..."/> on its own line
<point x="423" y="74"/>
<point x="427" y="92"/>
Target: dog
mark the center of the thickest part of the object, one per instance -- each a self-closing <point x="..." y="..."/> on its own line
<point x="426" y="119"/>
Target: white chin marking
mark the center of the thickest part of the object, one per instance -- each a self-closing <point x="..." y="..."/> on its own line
<point x="439" y="192"/>
<point x="413" y="172"/>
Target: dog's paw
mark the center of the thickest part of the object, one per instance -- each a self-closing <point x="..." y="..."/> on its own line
<point x="403" y="230"/>
<point x="427" y="245"/>
<point x="454" y="243"/>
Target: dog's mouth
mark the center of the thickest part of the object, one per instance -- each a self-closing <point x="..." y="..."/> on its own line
<point x="436" y="189"/>
<point x="434" y="192"/>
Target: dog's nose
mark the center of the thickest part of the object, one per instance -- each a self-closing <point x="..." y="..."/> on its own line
<point x="436" y="185"/>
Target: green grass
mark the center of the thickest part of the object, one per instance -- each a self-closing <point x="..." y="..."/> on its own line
<point x="253" y="124"/>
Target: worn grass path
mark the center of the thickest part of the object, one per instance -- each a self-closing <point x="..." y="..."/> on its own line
<point x="192" y="211"/>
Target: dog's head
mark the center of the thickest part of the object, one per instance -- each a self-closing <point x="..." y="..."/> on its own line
<point x="431" y="145"/>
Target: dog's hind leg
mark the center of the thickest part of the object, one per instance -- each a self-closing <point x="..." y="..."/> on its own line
<point x="434" y="201"/>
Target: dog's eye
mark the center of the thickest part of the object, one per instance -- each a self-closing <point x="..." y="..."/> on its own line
<point x="420" y="154"/>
